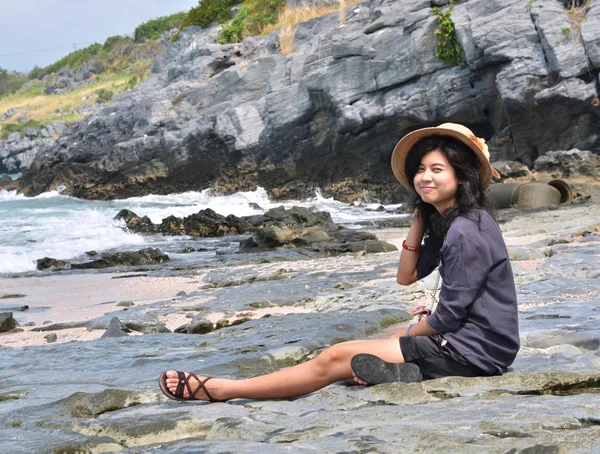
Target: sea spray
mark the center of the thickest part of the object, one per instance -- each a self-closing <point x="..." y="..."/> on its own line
<point x="64" y="227"/>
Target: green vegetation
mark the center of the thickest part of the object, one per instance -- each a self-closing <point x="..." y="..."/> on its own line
<point x="208" y="12"/>
<point x="154" y="28"/>
<point x="73" y="61"/>
<point x="448" y="49"/>
<point x="10" y="81"/>
<point x="104" y="95"/>
<point x="253" y="18"/>
<point x="7" y="128"/>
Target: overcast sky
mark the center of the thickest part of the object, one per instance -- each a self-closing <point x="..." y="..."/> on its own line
<point x="40" y="32"/>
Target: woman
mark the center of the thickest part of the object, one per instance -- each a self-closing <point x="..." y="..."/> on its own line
<point x="474" y="330"/>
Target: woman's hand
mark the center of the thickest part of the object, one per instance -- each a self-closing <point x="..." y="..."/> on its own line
<point x="407" y="268"/>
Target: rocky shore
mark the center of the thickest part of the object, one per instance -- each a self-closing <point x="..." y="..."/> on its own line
<point x="101" y="395"/>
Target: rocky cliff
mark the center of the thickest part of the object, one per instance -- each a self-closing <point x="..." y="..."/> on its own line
<point x="328" y="114"/>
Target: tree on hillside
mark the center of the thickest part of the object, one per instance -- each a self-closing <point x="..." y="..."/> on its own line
<point x="10" y="81"/>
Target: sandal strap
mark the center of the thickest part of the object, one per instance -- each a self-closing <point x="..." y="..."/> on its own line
<point x="180" y="385"/>
<point x="201" y="386"/>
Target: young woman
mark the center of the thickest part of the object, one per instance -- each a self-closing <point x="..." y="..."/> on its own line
<point x="474" y="330"/>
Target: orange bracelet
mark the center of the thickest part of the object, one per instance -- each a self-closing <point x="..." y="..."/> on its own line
<point x="410" y="248"/>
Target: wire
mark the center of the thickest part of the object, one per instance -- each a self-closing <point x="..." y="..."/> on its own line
<point x="40" y="51"/>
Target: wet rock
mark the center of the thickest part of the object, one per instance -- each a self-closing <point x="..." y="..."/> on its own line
<point x="197" y="326"/>
<point x="187" y="250"/>
<point x="49" y="326"/>
<point x="12" y="296"/>
<point x="125" y="304"/>
<point x="312" y="235"/>
<point x="91" y="253"/>
<point x="116" y="329"/>
<point x="295" y="218"/>
<point x="148" y="256"/>
<point x="7" y="322"/>
<point x="136" y="224"/>
<point x="48" y="263"/>
<point x="51" y="338"/>
<point x="7" y="183"/>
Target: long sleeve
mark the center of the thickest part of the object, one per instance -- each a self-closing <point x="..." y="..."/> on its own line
<point x="466" y="267"/>
<point x="429" y="256"/>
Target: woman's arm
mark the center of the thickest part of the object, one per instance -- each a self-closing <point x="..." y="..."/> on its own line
<point x="407" y="269"/>
<point x="420" y="328"/>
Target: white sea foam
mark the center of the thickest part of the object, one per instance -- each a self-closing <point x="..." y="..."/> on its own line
<point x="63" y="227"/>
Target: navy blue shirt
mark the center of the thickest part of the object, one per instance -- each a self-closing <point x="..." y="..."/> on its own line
<point x="477" y="310"/>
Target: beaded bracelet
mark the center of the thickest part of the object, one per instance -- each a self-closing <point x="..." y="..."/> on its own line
<point x="410" y="248"/>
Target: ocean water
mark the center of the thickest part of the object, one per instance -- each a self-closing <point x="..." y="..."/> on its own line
<point x="63" y="227"/>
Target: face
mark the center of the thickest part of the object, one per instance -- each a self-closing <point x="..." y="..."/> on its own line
<point x="435" y="181"/>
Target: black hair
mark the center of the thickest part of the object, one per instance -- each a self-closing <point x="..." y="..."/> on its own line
<point x="469" y="195"/>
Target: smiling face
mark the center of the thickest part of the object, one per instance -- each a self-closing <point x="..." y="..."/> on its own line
<point x="435" y="181"/>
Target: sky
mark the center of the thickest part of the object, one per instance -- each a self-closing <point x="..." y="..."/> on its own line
<point x="40" y="32"/>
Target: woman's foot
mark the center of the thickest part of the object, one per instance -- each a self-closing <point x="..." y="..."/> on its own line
<point x="188" y="386"/>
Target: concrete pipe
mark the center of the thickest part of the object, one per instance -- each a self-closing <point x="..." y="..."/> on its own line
<point x="566" y="193"/>
<point x="536" y="195"/>
<point x="504" y="195"/>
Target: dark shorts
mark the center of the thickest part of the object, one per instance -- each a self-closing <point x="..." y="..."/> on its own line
<point x="436" y="358"/>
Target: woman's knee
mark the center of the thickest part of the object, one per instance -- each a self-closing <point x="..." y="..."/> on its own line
<point x="334" y="354"/>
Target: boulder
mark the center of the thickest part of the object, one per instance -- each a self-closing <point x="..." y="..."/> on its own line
<point x="511" y="169"/>
<point x="136" y="224"/>
<point x="147" y="256"/>
<point x="48" y="263"/>
<point x="7" y="322"/>
<point x="569" y="163"/>
<point x="116" y="329"/>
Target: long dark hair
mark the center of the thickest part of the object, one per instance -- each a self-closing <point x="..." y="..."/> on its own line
<point x="469" y="194"/>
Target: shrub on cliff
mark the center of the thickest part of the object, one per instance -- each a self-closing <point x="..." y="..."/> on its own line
<point x="72" y="61"/>
<point x="104" y="96"/>
<point x="154" y="28"/>
<point x="7" y="128"/>
<point x="252" y="19"/>
<point x="10" y="81"/>
<point x="208" y="12"/>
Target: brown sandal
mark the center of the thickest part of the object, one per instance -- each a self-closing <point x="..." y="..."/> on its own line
<point x="184" y="382"/>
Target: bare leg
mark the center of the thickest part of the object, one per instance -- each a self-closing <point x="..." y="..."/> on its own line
<point x="331" y="366"/>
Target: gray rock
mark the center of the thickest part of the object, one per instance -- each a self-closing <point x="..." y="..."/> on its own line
<point x="116" y="329"/>
<point x="51" y="338"/>
<point x="567" y="163"/>
<point x="59" y="126"/>
<point x="511" y="169"/>
<point x="590" y="34"/>
<point x="47" y="131"/>
<point x="7" y="322"/>
<point x="563" y="49"/>
<point x="31" y="132"/>
<point x="14" y="137"/>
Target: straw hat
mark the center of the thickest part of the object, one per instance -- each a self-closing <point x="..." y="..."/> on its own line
<point x="460" y="132"/>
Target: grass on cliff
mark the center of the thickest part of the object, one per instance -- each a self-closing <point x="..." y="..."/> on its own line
<point x="291" y="16"/>
<point x="43" y="109"/>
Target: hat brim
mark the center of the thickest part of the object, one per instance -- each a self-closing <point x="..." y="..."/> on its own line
<point x="406" y="144"/>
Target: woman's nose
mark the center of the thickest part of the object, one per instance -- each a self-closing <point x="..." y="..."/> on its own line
<point x="426" y="175"/>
